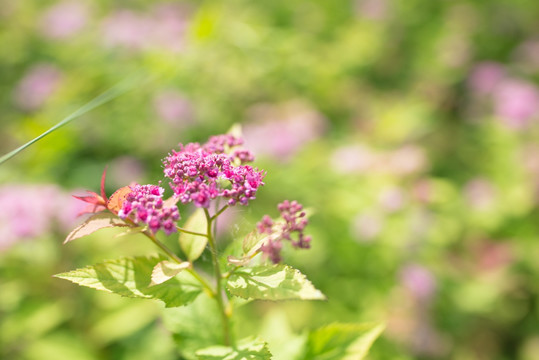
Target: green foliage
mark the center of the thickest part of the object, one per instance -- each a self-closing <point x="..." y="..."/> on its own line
<point x="193" y="245"/>
<point x="97" y="221"/>
<point x="185" y="323"/>
<point x="131" y="277"/>
<point x="272" y="282"/>
<point x="166" y="270"/>
<point x="341" y="341"/>
<point x="245" y="350"/>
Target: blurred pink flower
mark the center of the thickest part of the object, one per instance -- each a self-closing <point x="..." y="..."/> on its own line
<point x="516" y="102"/>
<point x="391" y="199"/>
<point x="406" y="160"/>
<point x="372" y="9"/>
<point x="172" y="107"/>
<point x="366" y="227"/>
<point x="479" y="193"/>
<point x="418" y="280"/>
<point x="32" y="210"/>
<point x="169" y="27"/>
<point x="164" y="28"/>
<point x="352" y="158"/>
<point x="37" y="85"/>
<point x="64" y="19"/>
<point x="280" y="131"/>
<point x="422" y="190"/>
<point x="125" y="169"/>
<point x="493" y="255"/>
<point x="485" y="77"/>
<point x="528" y="54"/>
<point x="126" y="28"/>
<point x="67" y="211"/>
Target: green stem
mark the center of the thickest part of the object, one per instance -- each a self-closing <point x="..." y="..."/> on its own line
<point x="190" y="232"/>
<point x="218" y="277"/>
<point x="218" y="213"/>
<point x="175" y="257"/>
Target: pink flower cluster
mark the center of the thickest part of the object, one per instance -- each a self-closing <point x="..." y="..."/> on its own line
<point x="201" y="173"/>
<point x="294" y="222"/>
<point x="144" y="205"/>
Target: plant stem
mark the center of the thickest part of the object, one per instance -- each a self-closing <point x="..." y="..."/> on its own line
<point x="218" y="276"/>
<point x="190" y="232"/>
<point x="175" y="257"/>
<point x="218" y="213"/>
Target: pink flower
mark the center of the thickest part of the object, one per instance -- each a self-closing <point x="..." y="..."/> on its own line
<point x="485" y="77"/>
<point x="418" y="280"/>
<point x="125" y="169"/>
<point x="353" y="158"/>
<point x="173" y="108"/>
<point x="144" y="205"/>
<point x="163" y="29"/>
<point x="290" y="229"/>
<point x="32" y="210"/>
<point x="366" y="227"/>
<point x="479" y="193"/>
<point x="516" y="102"/>
<point x="280" y="131"/>
<point x="35" y="88"/>
<point x="64" y="19"/>
<point x="127" y="29"/>
<point x="391" y="199"/>
<point x="201" y="173"/>
<point x="372" y="9"/>
<point x="169" y="27"/>
<point x="406" y="160"/>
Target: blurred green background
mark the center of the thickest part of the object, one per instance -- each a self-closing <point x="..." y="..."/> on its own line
<point x="410" y="126"/>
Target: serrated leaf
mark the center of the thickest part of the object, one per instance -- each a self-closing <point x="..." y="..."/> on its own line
<point x="272" y="282"/>
<point x="193" y="245"/>
<point x="186" y="322"/>
<point x="92" y="224"/>
<point x="342" y="341"/>
<point x="166" y="270"/>
<point x="247" y="350"/>
<point x="132" y="231"/>
<point x="131" y="277"/>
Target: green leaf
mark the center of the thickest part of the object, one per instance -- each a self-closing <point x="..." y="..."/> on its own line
<point x="166" y="270"/>
<point x="247" y="350"/>
<point x="131" y="277"/>
<point x="193" y="245"/>
<point x="272" y="282"/>
<point x="195" y="326"/>
<point x="342" y="341"/>
<point x="252" y="242"/>
<point x="92" y="224"/>
<point x="101" y="99"/>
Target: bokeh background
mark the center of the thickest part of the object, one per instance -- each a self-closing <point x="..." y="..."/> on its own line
<point x="411" y="127"/>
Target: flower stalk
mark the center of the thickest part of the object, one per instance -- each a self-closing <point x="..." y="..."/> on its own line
<point x="219" y="295"/>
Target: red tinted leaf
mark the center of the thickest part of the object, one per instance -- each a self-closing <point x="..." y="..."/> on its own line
<point x="94" y="199"/>
<point x="103" y="195"/>
<point x="94" y="223"/>
<point x="92" y="209"/>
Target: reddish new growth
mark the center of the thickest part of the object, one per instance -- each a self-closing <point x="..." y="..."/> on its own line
<point x="201" y="173"/>
<point x="144" y="205"/>
<point x="294" y="223"/>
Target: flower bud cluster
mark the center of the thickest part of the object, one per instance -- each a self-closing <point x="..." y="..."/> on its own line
<point x="294" y="223"/>
<point x="144" y="205"/>
<point x="201" y="173"/>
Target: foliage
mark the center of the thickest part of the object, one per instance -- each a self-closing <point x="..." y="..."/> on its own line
<point x="411" y="127"/>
